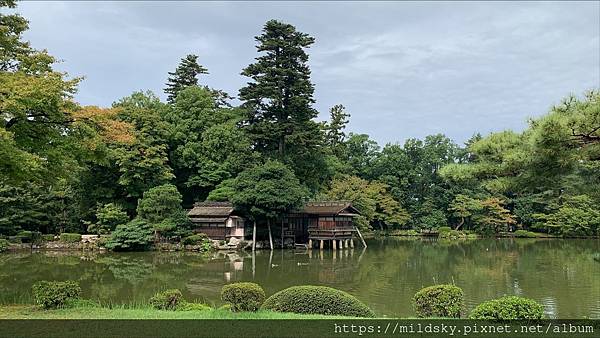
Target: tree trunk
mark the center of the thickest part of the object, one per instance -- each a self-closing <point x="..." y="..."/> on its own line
<point x="462" y="221"/>
<point x="282" y="238"/>
<point x="270" y="235"/>
<point x="254" y="237"/>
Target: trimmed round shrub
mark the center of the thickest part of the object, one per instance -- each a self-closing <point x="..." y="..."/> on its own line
<point x="243" y="296"/>
<point x="51" y="295"/>
<point x="444" y="300"/>
<point x="4" y="244"/>
<point x="70" y="238"/>
<point x="167" y="300"/>
<point x="508" y="308"/>
<point x="310" y="299"/>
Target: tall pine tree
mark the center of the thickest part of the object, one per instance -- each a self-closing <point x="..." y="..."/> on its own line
<point x="279" y="99"/>
<point x="185" y="75"/>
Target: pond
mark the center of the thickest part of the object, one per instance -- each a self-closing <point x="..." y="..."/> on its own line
<point x="560" y="274"/>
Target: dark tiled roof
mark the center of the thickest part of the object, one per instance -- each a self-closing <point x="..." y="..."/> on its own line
<point x="208" y="219"/>
<point x="211" y="209"/>
<point x="328" y="208"/>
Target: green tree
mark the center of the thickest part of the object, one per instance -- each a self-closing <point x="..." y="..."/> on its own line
<point x="267" y="192"/>
<point x="161" y="208"/>
<point x="338" y="119"/>
<point x="278" y="102"/>
<point x="108" y="216"/>
<point x="185" y="75"/>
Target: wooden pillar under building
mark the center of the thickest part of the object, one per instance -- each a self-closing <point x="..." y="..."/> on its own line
<point x="254" y="238"/>
<point x="352" y="243"/>
<point x="346" y="244"/>
<point x="341" y="244"/>
<point x="321" y="246"/>
<point x="310" y="244"/>
<point x="334" y="242"/>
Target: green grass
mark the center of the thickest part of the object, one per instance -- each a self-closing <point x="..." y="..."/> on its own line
<point x="96" y="312"/>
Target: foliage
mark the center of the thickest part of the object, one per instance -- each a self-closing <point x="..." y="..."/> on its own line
<point x="4" y="244"/>
<point x="109" y="216"/>
<point x="279" y="117"/>
<point x="243" y="296"/>
<point x="70" y="238"/>
<point x="577" y="216"/>
<point x="508" y="308"/>
<point x="54" y="294"/>
<point x="167" y="300"/>
<point x="525" y="234"/>
<point x="133" y="236"/>
<point x="184" y="76"/>
<point x="161" y="208"/>
<point x="372" y="199"/>
<point x="309" y="299"/>
<point x="48" y="237"/>
<point x="195" y="239"/>
<point x="268" y="191"/>
<point x="443" y="300"/>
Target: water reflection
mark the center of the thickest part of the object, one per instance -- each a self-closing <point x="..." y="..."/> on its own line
<point x="560" y="274"/>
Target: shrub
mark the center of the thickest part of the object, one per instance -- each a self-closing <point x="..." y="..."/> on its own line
<point x="309" y="299"/>
<point x="48" y="237"/>
<point x="443" y="229"/>
<point x="135" y="235"/>
<point x="508" y="307"/>
<point x="525" y="234"/>
<point x="194" y="239"/>
<point x="167" y="300"/>
<point x="452" y="235"/>
<point x="70" y="238"/>
<point x="243" y="296"/>
<point x="443" y="300"/>
<point x="55" y="294"/>
<point x="109" y="216"/>
<point x="29" y="236"/>
<point x="4" y="245"/>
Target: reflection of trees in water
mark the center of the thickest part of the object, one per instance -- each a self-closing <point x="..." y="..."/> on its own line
<point x="130" y="269"/>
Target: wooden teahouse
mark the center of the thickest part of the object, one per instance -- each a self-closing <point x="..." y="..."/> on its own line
<point x="317" y="223"/>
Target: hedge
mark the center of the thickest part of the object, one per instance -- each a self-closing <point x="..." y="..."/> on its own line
<point x="508" y="308"/>
<point x="243" y="296"/>
<point x="195" y="239"/>
<point x="525" y="234"/>
<point x="442" y="300"/>
<point x="52" y="295"/>
<point x="70" y="238"/>
<point x="309" y="299"/>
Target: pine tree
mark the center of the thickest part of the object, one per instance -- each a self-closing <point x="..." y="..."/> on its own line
<point x="279" y="99"/>
<point x="335" y="128"/>
<point x="185" y="75"/>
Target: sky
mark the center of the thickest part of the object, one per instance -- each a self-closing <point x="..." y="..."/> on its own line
<point x="402" y="69"/>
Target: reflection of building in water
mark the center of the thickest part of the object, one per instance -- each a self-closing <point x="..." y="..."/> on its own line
<point x="330" y="267"/>
<point x="214" y="274"/>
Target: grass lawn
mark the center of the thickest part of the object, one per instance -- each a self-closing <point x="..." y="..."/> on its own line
<point x="93" y="312"/>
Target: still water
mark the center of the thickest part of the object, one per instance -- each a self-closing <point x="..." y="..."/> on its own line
<point x="560" y="274"/>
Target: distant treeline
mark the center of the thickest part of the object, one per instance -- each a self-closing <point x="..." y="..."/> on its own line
<point x="65" y="167"/>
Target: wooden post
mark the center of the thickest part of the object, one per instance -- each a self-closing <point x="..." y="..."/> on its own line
<point x="282" y="239"/>
<point x="322" y="246"/>
<point x="341" y="244"/>
<point x="346" y="244"/>
<point x="270" y="235"/>
<point x="361" y="237"/>
<point x="310" y="243"/>
<point x="351" y="243"/>
<point x="334" y="242"/>
<point x="254" y="239"/>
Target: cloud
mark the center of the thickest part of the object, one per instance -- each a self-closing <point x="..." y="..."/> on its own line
<point x="403" y="69"/>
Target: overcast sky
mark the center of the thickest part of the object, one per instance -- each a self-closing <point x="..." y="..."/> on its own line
<point x="402" y="69"/>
